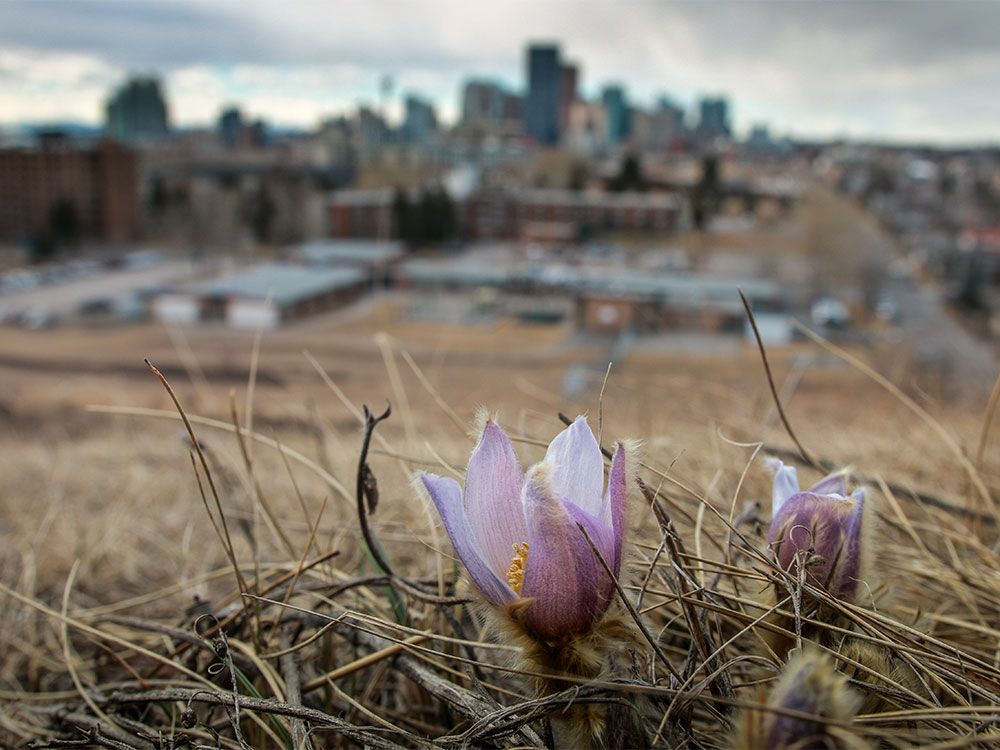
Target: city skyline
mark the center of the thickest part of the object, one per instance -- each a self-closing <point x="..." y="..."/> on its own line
<point x="916" y="72"/>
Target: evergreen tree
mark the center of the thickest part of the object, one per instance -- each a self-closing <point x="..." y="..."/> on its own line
<point x="261" y="213"/>
<point x="630" y="177"/>
<point x="402" y="216"/>
<point x="64" y="223"/>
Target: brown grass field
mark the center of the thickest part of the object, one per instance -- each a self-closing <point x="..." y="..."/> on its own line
<point x="119" y="560"/>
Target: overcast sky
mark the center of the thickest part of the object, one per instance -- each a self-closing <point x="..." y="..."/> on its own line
<point x="898" y="70"/>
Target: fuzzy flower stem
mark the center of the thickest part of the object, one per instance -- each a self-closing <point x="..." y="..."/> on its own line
<point x="636" y="617"/>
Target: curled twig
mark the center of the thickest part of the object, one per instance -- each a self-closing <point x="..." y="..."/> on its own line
<point x="367" y="489"/>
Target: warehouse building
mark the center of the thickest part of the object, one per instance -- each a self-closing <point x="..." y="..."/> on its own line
<point x="262" y="296"/>
<point x="375" y="258"/>
<point x="650" y="303"/>
<point x="619" y="300"/>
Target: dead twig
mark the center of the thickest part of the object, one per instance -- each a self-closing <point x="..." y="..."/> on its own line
<point x="367" y="736"/>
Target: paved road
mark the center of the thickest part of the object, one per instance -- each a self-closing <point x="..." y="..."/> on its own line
<point x="936" y="336"/>
<point x="64" y="299"/>
<point x="926" y="325"/>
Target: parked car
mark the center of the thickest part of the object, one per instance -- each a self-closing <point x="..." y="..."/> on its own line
<point x="829" y="312"/>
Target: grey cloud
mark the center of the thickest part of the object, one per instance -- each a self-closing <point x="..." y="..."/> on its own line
<point x="438" y="34"/>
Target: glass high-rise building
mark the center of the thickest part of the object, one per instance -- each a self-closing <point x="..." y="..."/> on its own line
<point x="545" y="85"/>
<point x="714" y="117"/>
<point x="230" y="127"/>
<point x="617" y="112"/>
<point x="420" y="121"/>
<point x="137" y="111"/>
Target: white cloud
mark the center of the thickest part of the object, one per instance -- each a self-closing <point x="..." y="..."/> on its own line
<point x="53" y="86"/>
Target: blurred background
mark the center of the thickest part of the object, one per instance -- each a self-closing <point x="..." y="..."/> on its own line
<point x="465" y="203"/>
<point x="610" y="172"/>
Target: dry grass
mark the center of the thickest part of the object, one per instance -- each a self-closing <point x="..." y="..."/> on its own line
<point x="116" y="572"/>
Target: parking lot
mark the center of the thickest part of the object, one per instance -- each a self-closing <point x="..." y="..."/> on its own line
<point x="43" y="296"/>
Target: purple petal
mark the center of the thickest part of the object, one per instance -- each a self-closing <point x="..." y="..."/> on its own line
<point x="809" y="685"/>
<point x="577" y="466"/>
<point x="561" y="571"/>
<point x="615" y="504"/>
<point x="831" y="526"/>
<point x="832" y="484"/>
<point x="604" y="540"/>
<point x="786" y="484"/>
<point x="847" y="573"/>
<point x="493" y="498"/>
<point x="447" y="496"/>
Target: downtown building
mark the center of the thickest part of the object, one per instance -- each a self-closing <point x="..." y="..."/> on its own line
<point x="97" y="184"/>
<point x="486" y="102"/>
<point x="713" y="119"/>
<point x="420" y="122"/>
<point x="542" y="106"/>
<point x="137" y="112"/>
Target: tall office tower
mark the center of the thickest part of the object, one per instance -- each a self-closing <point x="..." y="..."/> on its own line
<point x="714" y="117"/>
<point x="137" y="111"/>
<point x="482" y="101"/>
<point x="230" y="127"/>
<point x="616" y="108"/>
<point x="419" y="121"/>
<point x="541" y="109"/>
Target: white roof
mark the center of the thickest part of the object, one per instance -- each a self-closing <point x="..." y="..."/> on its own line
<point x="356" y="251"/>
<point x="285" y="284"/>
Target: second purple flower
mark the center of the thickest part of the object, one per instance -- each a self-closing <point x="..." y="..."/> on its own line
<point x="824" y="519"/>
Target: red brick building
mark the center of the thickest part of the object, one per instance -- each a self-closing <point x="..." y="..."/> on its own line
<point x="100" y="182"/>
<point x="509" y="214"/>
<point x="362" y="213"/>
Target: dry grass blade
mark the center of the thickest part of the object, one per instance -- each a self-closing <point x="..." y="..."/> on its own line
<point x="956" y="450"/>
<point x="807" y="457"/>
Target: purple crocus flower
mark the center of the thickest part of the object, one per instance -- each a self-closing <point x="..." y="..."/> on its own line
<point x="823" y="518"/>
<point x="519" y="534"/>
<point x="809" y="685"/>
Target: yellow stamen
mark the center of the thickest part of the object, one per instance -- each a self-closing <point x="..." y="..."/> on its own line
<point x="515" y="573"/>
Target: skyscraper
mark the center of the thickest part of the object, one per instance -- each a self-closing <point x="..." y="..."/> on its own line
<point x="713" y="121"/>
<point x="616" y="108"/>
<point x="541" y="110"/>
<point x="137" y="111"/>
<point x="666" y="124"/>
<point x="230" y="127"/>
<point x="420" y="121"/>
<point x="568" y="80"/>
<point x="482" y="101"/>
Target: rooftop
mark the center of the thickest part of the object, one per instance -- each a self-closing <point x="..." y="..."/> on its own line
<point x="361" y="196"/>
<point x="351" y="251"/>
<point x="471" y="273"/>
<point x="599" y="198"/>
<point x="285" y="284"/>
<point x="675" y="288"/>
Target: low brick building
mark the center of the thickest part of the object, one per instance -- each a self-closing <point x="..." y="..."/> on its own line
<point x="362" y="213"/>
<point x="512" y="214"/>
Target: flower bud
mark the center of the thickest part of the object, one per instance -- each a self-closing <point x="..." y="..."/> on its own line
<point x="805" y="709"/>
<point x="820" y="529"/>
